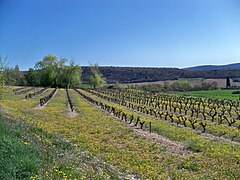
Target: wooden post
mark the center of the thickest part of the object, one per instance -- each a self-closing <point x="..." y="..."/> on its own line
<point x="150" y="127"/>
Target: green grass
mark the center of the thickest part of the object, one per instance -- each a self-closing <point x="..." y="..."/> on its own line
<point x="93" y="145"/>
<point x="219" y="94"/>
<point x="207" y="154"/>
<point x="18" y="158"/>
<point x="182" y="80"/>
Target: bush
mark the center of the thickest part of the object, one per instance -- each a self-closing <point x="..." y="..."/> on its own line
<point x="236" y="92"/>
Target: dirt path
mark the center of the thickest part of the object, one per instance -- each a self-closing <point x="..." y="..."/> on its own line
<point x="71" y="113"/>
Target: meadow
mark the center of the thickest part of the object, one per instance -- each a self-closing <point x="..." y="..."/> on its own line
<point x="218" y="94"/>
<point x="101" y="138"/>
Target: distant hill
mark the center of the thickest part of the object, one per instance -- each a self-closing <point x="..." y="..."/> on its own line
<point x="214" y="67"/>
<point x="134" y="74"/>
<point x="147" y="74"/>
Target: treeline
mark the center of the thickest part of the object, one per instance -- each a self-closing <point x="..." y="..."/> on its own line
<point x="50" y="72"/>
<point x="54" y="72"/>
<point x="136" y="75"/>
<point x="133" y="74"/>
<point x="181" y="87"/>
<point x="141" y="74"/>
<point x="214" y="74"/>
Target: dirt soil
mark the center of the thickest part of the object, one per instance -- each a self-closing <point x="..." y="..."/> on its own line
<point x="71" y="113"/>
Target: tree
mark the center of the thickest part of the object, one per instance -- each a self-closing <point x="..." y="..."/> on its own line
<point x="48" y="70"/>
<point x="96" y="79"/>
<point x="228" y="84"/>
<point x="10" y="76"/>
<point x="61" y="71"/>
<point x="55" y="73"/>
<point x="14" y="76"/>
<point x="3" y="68"/>
<point x="71" y="75"/>
<point x="17" y="68"/>
<point x="31" y="77"/>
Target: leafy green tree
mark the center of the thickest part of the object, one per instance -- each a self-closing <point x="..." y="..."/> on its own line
<point x="47" y="69"/>
<point x="72" y="75"/>
<point x="3" y="68"/>
<point x="14" y="76"/>
<point x="96" y="79"/>
<point x="19" y="75"/>
<point x="31" y="77"/>
<point x="10" y="76"/>
<point x="54" y="72"/>
<point x="61" y="71"/>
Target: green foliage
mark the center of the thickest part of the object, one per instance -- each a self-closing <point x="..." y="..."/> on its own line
<point x="71" y="75"/>
<point x="48" y="70"/>
<point x="194" y="146"/>
<point x="144" y="74"/>
<point x="2" y="70"/>
<point x="93" y="145"/>
<point x="55" y="73"/>
<point x="10" y="76"/>
<point x="118" y="86"/>
<point x="14" y="76"/>
<point x="183" y="80"/>
<point x="190" y="165"/>
<point x="96" y="79"/>
<point x="219" y="94"/>
<point x="18" y="159"/>
<point x="176" y="86"/>
<point x="31" y="77"/>
<point x="236" y="92"/>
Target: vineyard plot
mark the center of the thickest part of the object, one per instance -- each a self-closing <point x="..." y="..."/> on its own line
<point x="24" y="91"/>
<point x="36" y="93"/>
<point x="45" y="99"/>
<point x="167" y="111"/>
<point x="96" y="145"/>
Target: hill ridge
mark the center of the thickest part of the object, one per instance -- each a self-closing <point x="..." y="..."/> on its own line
<point x="214" y="67"/>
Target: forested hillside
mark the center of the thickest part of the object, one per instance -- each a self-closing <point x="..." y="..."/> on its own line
<point x="134" y="74"/>
<point x="141" y="74"/>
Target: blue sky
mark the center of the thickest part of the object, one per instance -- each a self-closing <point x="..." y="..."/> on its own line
<point x="152" y="33"/>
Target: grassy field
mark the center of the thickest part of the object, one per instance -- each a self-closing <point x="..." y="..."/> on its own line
<point x="94" y="145"/>
<point x="18" y="158"/>
<point x="219" y="94"/>
<point x="183" y="80"/>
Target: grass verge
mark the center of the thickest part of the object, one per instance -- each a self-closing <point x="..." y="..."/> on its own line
<point x="218" y="94"/>
<point x="18" y="158"/>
